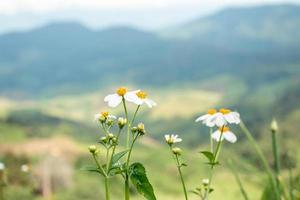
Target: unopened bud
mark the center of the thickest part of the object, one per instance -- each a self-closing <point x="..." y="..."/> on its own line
<point x="177" y="151"/>
<point x="122" y="122"/>
<point x="205" y="182"/>
<point x="274" y="126"/>
<point x="2" y="166"/>
<point x="102" y="119"/>
<point x="110" y="136"/>
<point x="109" y="122"/>
<point x="134" y="129"/>
<point x="92" y="149"/>
<point x="103" y="139"/>
<point x="141" y="129"/>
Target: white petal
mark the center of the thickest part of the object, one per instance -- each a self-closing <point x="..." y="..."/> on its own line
<point x="219" y="119"/>
<point x="217" y="135"/>
<point x="150" y="103"/>
<point x="109" y="97"/>
<point x="133" y="98"/>
<point x="202" y="117"/>
<point x="236" y="117"/>
<point x="177" y="140"/>
<point x="96" y="117"/>
<point x="209" y="121"/>
<point x="167" y="137"/>
<point x="229" y="136"/>
<point x="112" y="117"/>
<point x="114" y="101"/>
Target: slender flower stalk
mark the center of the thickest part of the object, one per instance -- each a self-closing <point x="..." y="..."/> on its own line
<point x="262" y="159"/>
<point x="181" y="176"/>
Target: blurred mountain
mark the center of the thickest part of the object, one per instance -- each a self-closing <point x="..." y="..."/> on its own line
<point x="258" y="44"/>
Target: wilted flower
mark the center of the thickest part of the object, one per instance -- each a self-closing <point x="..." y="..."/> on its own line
<point x="114" y="100"/>
<point x="92" y="149"/>
<point x="140" y="97"/>
<point x="2" y="166"/>
<point x="122" y="122"/>
<point x="103" y="116"/>
<point x="171" y="139"/>
<point x="207" y="119"/>
<point x="274" y="126"/>
<point x="224" y="132"/>
<point x="177" y="151"/>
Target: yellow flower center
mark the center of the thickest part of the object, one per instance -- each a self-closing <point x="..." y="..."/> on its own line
<point x="141" y="94"/>
<point x="225" y="111"/>
<point x="105" y="114"/>
<point x="211" y="111"/>
<point x="224" y="129"/>
<point x="121" y="91"/>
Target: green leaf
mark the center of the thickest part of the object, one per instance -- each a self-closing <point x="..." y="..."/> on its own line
<point x="137" y="174"/>
<point x="118" y="156"/>
<point x="91" y="169"/>
<point x="209" y="155"/>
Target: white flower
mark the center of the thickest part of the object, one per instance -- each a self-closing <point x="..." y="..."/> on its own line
<point x="207" y="119"/>
<point x="225" y="116"/>
<point x="103" y="116"/>
<point x="221" y="118"/>
<point x="114" y="100"/>
<point x="139" y="97"/>
<point x="224" y="133"/>
<point x="2" y="166"/>
<point x="171" y="139"/>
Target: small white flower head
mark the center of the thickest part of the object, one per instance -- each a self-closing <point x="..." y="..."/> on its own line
<point x="103" y="116"/>
<point x="177" y="151"/>
<point x="24" y="168"/>
<point x="140" y="97"/>
<point x="224" y="133"/>
<point x="226" y="116"/>
<point x="115" y="99"/>
<point x="141" y="129"/>
<point x="274" y="126"/>
<point x="171" y="139"/>
<point x="208" y="118"/>
<point x="205" y="181"/>
<point x="2" y="166"/>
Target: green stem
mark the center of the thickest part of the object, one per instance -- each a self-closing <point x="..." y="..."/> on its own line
<point x="128" y="124"/>
<point x="98" y="164"/>
<point x="238" y="180"/>
<point x="262" y="158"/>
<point x="216" y="155"/>
<point x="276" y="152"/>
<point x="211" y="140"/>
<point x="127" y="192"/>
<point x="114" y="149"/>
<point x="135" y="113"/>
<point x="181" y="177"/>
<point x="106" y="180"/>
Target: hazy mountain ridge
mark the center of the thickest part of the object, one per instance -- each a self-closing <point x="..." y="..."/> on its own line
<point x="65" y="55"/>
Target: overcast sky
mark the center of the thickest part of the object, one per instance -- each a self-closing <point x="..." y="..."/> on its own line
<point x="147" y="14"/>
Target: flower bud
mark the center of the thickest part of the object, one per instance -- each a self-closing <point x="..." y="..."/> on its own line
<point x="141" y="129"/>
<point x="110" y="136"/>
<point x="103" y="139"/>
<point x="177" y="151"/>
<point x="114" y="140"/>
<point x="92" y="149"/>
<point x="102" y="119"/>
<point x="205" y="181"/>
<point x="109" y="122"/>
<point x="134" y="129"/>
<point x="274" y="126"/>
<point x="122" y="122"/>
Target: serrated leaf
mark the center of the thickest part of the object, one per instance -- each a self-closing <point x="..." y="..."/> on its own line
<point x="91" y="169"/>
<point x="137" y="174"/>
<point x="209" y="155"/>
<point x="118" y="156"/>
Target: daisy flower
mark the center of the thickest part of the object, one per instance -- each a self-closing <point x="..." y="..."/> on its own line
<point x="114" y="100"/>
<point x="224" y="133"/>
<point x="208" y="118"/>
<point x="103" y="116"/>
<point x="171" y="139"/>
<point x="140" y="97"/>
<point x="225" y="116"/>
